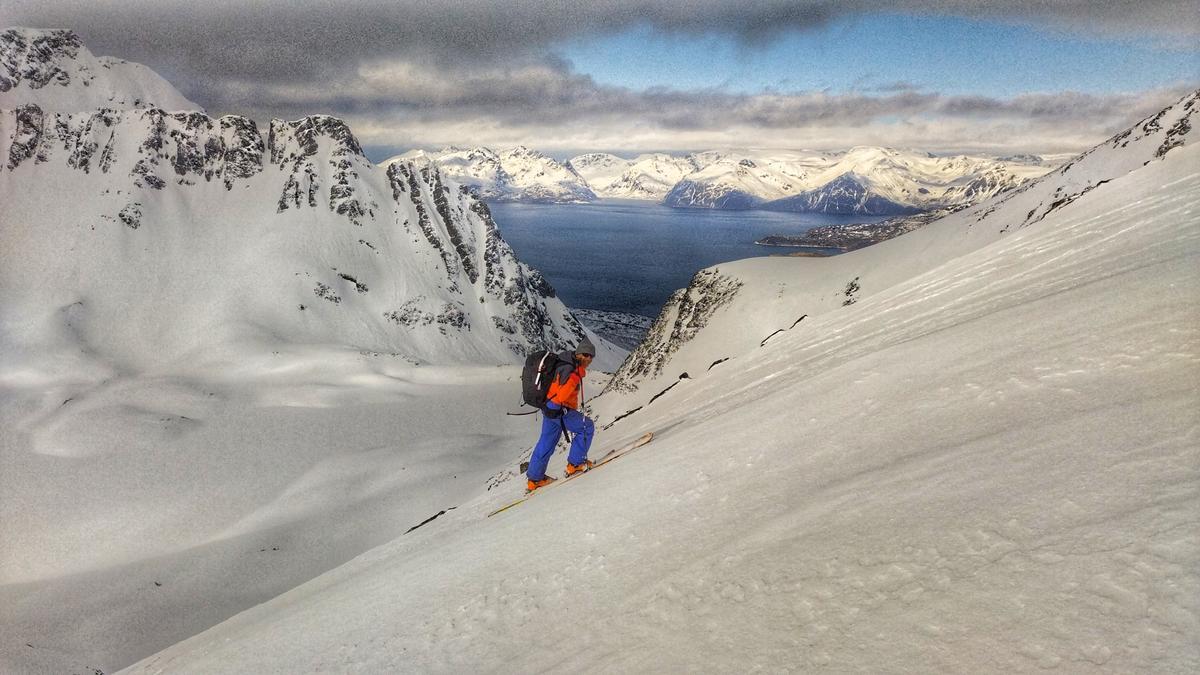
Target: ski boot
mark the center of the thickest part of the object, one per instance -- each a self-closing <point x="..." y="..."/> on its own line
<point x="573" y="469"/>
<point x="531" y="485"/>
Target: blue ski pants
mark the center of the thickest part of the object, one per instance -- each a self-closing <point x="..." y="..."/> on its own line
<point x="579" y="425"/>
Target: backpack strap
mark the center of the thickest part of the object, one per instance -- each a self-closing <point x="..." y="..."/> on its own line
<point x="541" y="365"/>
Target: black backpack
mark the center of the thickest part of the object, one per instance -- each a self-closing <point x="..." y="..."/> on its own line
<point x="536" y="377"/>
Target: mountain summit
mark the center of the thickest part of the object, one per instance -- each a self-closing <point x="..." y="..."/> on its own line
<point x="55" y="71"/>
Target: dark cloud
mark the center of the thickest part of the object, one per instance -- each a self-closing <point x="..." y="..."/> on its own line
<point x="300" y="40"/>
<point x="487" y="70"/>
<point x="551" y="108"/>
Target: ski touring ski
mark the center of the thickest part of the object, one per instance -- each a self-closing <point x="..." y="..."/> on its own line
<point x="607" y="457"/>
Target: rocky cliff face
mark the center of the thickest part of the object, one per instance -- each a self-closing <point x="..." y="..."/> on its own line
<point x="686" y="312"/>
<point x="36" y="60"/>
<point x="698" y="194"/>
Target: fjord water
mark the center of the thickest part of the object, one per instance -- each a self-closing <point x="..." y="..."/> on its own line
<point x="629" y="256"/>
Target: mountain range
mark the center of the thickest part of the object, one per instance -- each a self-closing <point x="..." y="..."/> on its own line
<point x="862" y="180"/>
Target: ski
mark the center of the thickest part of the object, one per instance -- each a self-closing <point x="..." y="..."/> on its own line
<point x="607" y="457"/>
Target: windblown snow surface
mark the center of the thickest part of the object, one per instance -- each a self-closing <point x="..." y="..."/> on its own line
<point x="987" y="462"/>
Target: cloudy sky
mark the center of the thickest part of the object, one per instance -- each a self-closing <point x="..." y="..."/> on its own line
<point x="626" y="76"/>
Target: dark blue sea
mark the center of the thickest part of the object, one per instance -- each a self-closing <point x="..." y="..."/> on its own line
<point x="629" y="256"/>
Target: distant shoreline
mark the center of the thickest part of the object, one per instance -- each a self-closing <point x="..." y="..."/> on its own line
<point x="809" y="248"/>
<point x="806" y="250"/>
<point x="834" y="239"/>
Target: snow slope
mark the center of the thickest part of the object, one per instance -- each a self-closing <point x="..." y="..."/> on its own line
<point x="144" y="508"/>
<point x="985" y="463"/>
<point x="55" y="71"/>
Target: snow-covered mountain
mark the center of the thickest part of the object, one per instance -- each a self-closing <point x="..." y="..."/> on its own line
<point x="158" y="234"/>
<point x="143" y="236"/>
<point x="755" y="299"/>
<point x="864" y="180"/>
<point x="55" y="71"/>
<point x="968" y="449"/>
<point x="599" y="169"/>
<point x="737" y="181"/>
<point x="514" y="174"/>
<point x="648" y="176"/>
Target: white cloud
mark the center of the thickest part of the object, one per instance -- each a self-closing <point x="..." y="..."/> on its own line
<point x="402" y="104"/>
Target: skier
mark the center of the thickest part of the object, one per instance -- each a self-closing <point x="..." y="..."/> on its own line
<point x="562" y="416"/>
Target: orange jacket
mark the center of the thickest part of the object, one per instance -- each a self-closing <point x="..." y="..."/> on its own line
<point x="565" y="390"/>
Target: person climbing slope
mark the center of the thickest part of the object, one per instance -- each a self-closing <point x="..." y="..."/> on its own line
<point x="561" y="415"/>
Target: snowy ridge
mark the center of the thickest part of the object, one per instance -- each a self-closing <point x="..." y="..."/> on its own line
<point x="777" y="293"/>
<point x="55" y="71"/>
<point x="515" y="174"/>
<point x="300" y="238"/>
<point x="988" y="465"/>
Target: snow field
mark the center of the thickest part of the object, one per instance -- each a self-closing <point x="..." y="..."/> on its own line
<point x="998" y="473"/>
<point x="150" y="507"/>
